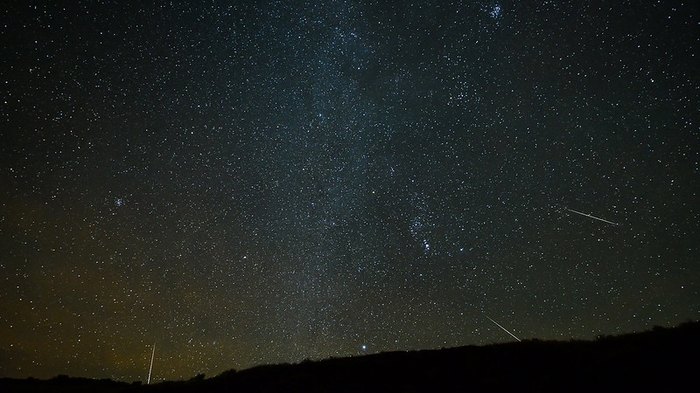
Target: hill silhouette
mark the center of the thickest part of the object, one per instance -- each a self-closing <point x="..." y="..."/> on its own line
<point x="664" y="359"/>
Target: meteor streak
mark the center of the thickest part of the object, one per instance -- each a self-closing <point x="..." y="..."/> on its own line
<point x="153" y="354"/>
<point x="504" y="329"/>
<point x="590" y="216"/>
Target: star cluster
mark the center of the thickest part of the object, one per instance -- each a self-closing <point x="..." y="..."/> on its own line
<point x="254" y="182"/>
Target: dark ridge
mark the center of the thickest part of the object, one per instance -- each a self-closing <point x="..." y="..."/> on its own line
<point x="663" y="359"/>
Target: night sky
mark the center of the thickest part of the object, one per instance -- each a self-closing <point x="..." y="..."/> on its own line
<point x="255" y="182"/>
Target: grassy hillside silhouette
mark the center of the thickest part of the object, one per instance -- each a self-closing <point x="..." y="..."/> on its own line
<point x="664" y="359"/>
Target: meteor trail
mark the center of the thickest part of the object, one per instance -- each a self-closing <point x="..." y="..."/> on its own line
<point x="153" y="354"/>
<point x="504" y="329"/>
<point x="590" y="216"/>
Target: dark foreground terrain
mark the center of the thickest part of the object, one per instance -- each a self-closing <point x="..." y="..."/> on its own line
<point x="662" y="360"/>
